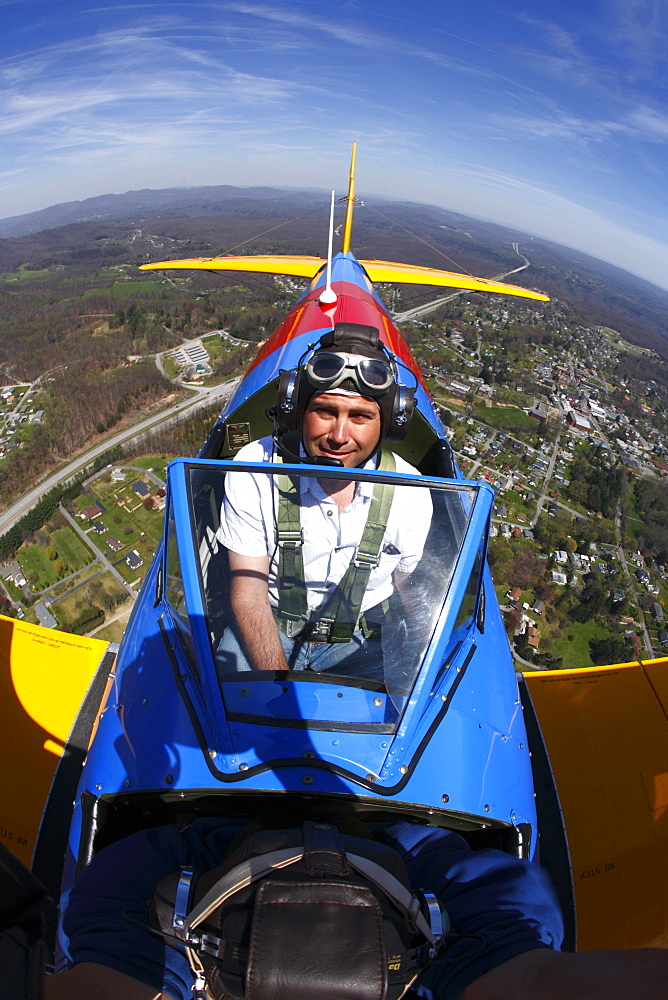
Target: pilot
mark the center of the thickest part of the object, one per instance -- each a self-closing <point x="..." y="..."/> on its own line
<point x="314" y="561"/>
<point x="503" y="944"/>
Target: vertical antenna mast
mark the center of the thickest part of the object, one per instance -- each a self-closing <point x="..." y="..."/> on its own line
<point x="328" y="295"/>
<point x="350" y="200"/>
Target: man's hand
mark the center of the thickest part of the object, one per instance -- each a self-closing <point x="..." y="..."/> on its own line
<point x="542" y="974"/>
<point x="91" y="981"/>
<point x="249" y="576"/>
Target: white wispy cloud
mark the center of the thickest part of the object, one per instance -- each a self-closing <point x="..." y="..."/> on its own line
<point x="650" y="123"/>
<point x="563" y="128"/>
<point x="639" y="30"/>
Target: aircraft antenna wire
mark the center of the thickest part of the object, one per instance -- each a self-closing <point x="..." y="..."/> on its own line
<point x="420" y="239"/>
<point x="250" y="239"/>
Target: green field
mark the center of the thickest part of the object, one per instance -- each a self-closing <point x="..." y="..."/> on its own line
<point x="575" y="651"/>
<point x="24" y="273"/>
<point x="71" y="548"/>
<point x="42" y="572"/>
<point x="171" y="368"/>
<point x="506" y="418"/>
<point x="154" y="463"/>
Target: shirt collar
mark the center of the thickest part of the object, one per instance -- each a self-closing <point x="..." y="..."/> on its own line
<point x="364" y="490"/>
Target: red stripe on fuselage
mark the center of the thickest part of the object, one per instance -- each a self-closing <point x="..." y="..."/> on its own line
<point x="353" y="305"/>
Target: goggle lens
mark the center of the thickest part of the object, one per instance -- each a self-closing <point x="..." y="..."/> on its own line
<point x="375" y="373"/>
<point x="327" y="366"/>
<point x="332" y="369"/>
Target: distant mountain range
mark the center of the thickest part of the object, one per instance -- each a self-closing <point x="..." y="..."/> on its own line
<point x="195" y="201"/>
<point x="201" y="220"/>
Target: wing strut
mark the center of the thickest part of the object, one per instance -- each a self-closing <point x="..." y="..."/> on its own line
<point x="350" y="201"/>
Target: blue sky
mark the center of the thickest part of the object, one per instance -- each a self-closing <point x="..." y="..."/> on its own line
<point x="550" y="116"/>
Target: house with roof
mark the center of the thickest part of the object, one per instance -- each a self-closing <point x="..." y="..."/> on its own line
<point x="533" y="637"/>
<point x="114" y="544"/>
<point x="88" y="513"/>
<point x="134" y="560"/>
<point x="44" y="616"/>
<point x="140" y="488"/>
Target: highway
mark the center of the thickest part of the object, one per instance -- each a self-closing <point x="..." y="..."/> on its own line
<point x="205" y="397"/>
<point x="428" y="307"/>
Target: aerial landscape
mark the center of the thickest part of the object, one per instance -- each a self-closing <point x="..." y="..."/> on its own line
<point x="334" y="500"/>
<point x="560" y="406"/>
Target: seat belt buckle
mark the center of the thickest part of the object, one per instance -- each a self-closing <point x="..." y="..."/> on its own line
<point x="290" y="537"/>
<point x="362" y="560"/>
<point x="318" y="631"/>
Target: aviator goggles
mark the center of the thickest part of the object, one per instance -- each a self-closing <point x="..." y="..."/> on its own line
<point x="372" y="376"/>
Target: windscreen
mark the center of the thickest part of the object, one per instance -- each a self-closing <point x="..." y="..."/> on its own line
<point x="324" y="576"/>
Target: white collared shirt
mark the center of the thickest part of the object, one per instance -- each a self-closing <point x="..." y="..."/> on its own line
<point x="248" y="527"/>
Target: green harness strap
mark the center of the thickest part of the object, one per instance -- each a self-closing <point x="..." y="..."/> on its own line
<point x="342" y="611"/>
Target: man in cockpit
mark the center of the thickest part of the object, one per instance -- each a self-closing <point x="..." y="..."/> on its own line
<point x="314" y="562"/>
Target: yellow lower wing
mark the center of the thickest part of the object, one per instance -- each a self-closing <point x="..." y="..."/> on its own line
<point x="606" y="734"/>
<point x="378" y="270"/>
<point x="44" y="677"/>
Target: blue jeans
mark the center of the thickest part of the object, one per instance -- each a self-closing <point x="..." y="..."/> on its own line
<point x="360" y="657"/>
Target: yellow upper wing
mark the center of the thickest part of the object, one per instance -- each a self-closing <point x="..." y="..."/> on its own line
<point x="378" y="270"/>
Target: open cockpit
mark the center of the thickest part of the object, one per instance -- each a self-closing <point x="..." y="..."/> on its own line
<point x="421" y="624"/>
